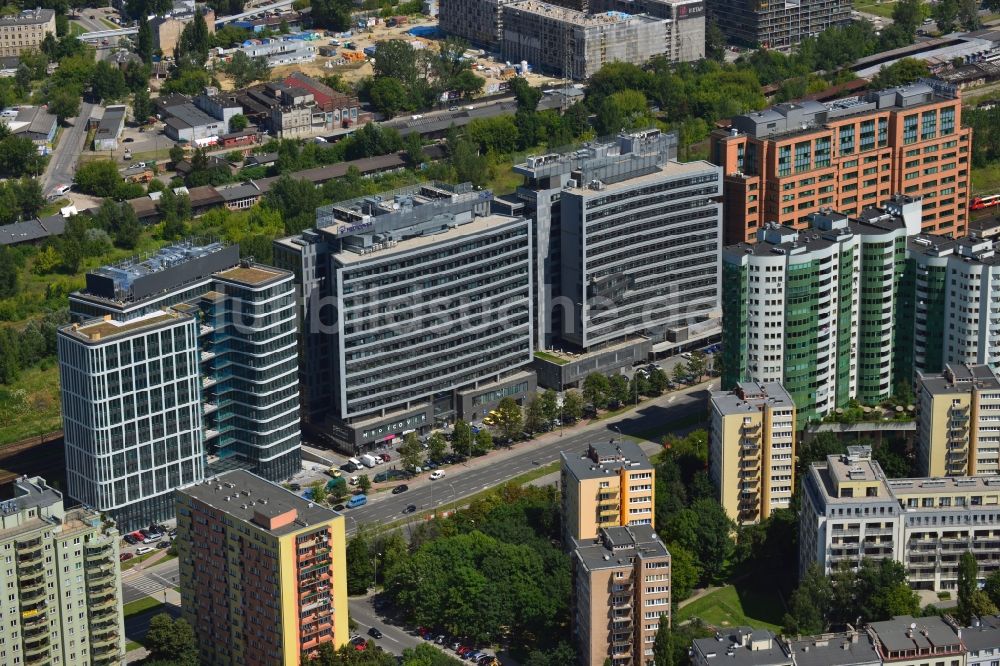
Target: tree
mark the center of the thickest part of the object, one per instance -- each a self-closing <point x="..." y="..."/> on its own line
<point x="527" y="96"/>
<point x="901" y="72"/>
<point x="680" y="373"/>
<point x="144" y="42"/>
<point x="108" y="82"/>
<point x="175" y="210"/>
<point x="176" y="154"/>
<point x="945" y="13"/>
<point x="388" y="96"/>
<point x="618" y="390"/>
<point x="992" y="5"/>
<point x="684" y="572"/>
<point x="572" y="407"/>
<point x="972" y="602"/>
<point x="142" y="107"/>
<point x="64" y="103"/>
<point x="318" y="492"/>
<point x="907" y="15"/>
<point x="297" y="201"/>
<point x="663" y="649"/>
<point x="705" y="530"/>
<point x="809" y="607"/>
<point x="360" y="564"/>
<point x="194" y="43"/>
<point x="508" y="419"/>
<point x="364" y="484"/>
<point x="549" y="402"/>
<point x="22" y="77"/>
<point x="992" y="588"/>
<point x="411" y="452"/>
<point x="968" y="15"/>
<point x="461" y="438"/>
<point x="99" y="178"/>
<point x="334" y="14"/>
<point x="171" y="640"/>
<point x="238" y="123"/>
<point x="715" y="42"/>
<point x="467" y="84"/>
<point x="483" y="442"/>
<point x="245" y="70"/>
<point x="120" y="221"/>
<point x="396" y="58"/>
<point x="595" y="390"/>
<point x="697" y="365"/>
<point x="534" y="415"/>
<point x="9" y="266"/>
<point x="436" y="446"/>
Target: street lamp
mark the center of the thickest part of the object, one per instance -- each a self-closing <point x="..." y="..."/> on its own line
<point x="375" y="579"/>
<point x="620" y="437"/>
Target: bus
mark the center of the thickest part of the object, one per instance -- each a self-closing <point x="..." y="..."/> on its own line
<point x="979" y="203"/>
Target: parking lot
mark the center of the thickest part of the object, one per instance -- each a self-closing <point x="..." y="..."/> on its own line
<point x="146" y="540"/>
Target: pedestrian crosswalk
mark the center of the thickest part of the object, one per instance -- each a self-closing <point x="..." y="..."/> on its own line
<point x="142" y="586"/>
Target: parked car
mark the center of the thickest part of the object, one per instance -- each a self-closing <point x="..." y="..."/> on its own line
<point x="142" y="550"/>
<point x="125" y="556"/>
<point x="401" y="488"/>
<point x="130" y="540"/>
<point x="339" y="507"/>
<point x="163" y="544"/>
<point x="295" y="487"/>
<point x="437" y="474"/>
<point x="440" y="639"/>
<point x="385" y="457"/>
<point x="410" y="508"/>
<point x="374" y="632"/>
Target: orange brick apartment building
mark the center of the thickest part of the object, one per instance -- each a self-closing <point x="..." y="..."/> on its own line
<point x="783" y="163"/>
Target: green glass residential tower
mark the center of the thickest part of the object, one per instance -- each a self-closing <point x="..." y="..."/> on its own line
<point x="814" y="310"/>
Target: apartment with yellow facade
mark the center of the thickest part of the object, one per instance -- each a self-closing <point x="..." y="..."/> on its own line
<point x="25" y="31"/>
<point x="621" y="594"/>
<point x="751" y="454"/>
<point x="958" y="429"/>
<point x="851" y="510"/>
<point x="263" y="571"/>
<point x="609" y="485"/>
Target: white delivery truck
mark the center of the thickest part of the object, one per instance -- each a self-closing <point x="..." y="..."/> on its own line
<point x="368" y="460"/>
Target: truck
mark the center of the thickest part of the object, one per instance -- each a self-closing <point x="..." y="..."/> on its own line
<point x="368" y="460"/>
<point x="141" y="177"/>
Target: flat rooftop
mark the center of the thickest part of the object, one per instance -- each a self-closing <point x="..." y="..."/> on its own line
<point x="743" y="646"/>
<point x="28" y="17"/>
<point x="671" y="169"/>
<point x="476" y="226"/>
<point x="612" y="456"/>
<point x="943" y="485"/>
<point x="100" y="330"/>
<point x="750" y="397"/>
<point x="960" y="379"/>
<point x="616" y="547"/>
<point x="243" y="495"/>
<point x="252" y="275"/>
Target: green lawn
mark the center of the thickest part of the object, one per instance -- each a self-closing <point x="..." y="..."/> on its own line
<point x="140" y="606"/>
<point x="76" y="29"/>
<point x="737" y="605"/>
<point x="545" y="356"/>
<point x="30" y="406"/>
<point x="986" y="180"/>
<point x="883" y="8"/>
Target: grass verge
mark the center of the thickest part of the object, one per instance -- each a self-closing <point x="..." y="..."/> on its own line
<point x="132" y="645"/>
<point x="883" y="9"/>
<point x="986" y="180"/>
<point x="128" y="564"/>
<point x="743" y="603"/>
<point x="30" y="406"/>
<point x="140" y="606"/>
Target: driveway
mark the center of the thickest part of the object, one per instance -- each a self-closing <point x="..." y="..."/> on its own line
<point x="62" y="163"/>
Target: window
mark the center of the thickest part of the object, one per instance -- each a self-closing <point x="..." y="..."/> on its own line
<point x="947" y="120"/>
<point x="910" y="128"/>
<point x="868" y="135"/>
<point x="823" y="152"/>
<point x="928" y="124"/>
<point x="784" y="160"/>
<point x="847" y="140"/>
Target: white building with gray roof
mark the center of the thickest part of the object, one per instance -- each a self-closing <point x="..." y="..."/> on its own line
<point x="741" y="646"/>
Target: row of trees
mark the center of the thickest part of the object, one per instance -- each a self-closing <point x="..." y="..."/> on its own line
<point x="25" y="347"/>
<point x="20" y="200"/>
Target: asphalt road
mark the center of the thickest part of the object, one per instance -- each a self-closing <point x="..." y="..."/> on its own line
<point x="394" y="639"/>
<point x="62" y="163"/>
<point x="425" y="494"/>
<point x="140" y="583"/>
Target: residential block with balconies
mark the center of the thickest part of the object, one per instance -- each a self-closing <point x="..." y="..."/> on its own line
<point x="609" y="485"/>
<point x="850" y="511"/>
<point x="621" y="594"/>
<point x="958" y="428"/>
<point x="751" y="450"/>
<point x="64" y="580"/>
<point x="263" y="571"/>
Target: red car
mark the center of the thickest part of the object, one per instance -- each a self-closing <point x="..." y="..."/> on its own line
<point x="464" y="650"/>
<point x="385" y="457"/>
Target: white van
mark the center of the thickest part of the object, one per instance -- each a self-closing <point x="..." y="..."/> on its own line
<point x="369" y="460"/>
<point x="355" y="462"/>
<point x="63" y="189"/>
<point x="142" y="550"/>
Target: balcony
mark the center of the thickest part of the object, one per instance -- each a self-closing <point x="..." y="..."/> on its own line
<point x="105" y="639"/>
<point x="36" y="649"/>
<point x="31" y="594"/>
<point x="101" y="579"/>
<point x="109" y="601"/>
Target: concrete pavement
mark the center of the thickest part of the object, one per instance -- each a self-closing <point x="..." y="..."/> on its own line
<point x="62" y="163"/>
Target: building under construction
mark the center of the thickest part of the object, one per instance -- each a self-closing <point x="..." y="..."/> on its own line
<point x="777" y="25"/>
<point x="575" y="44"/>
<point x="579" y="36"/>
